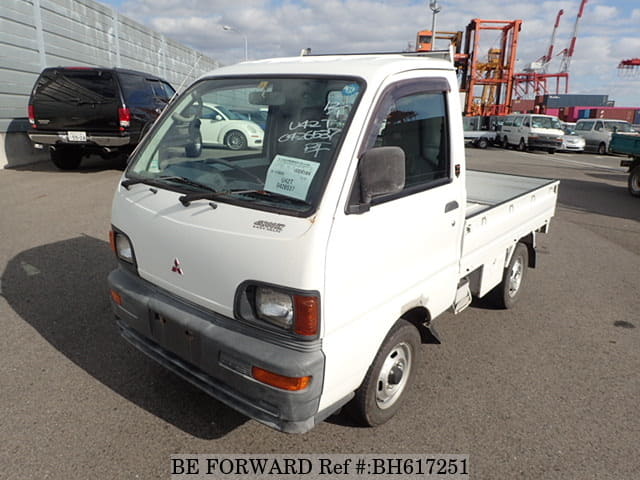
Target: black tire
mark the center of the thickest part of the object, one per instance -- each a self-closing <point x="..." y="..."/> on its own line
<point x="522" y="146"/>
<point x="194" y="148"/>
<point x="235" y="140"/>
<point x="602" y="149"/>
<point x="507" y="293"/>
<point x="66" y="158"/>
<point x="634" y="181"/>
<point x="390" y="375"/>
<point x="551" y="151"/>
<point x="482" y="143"/>
<point x="505" y="142"/>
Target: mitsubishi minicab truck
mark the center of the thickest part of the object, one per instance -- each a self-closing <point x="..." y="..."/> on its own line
<point x="291" y="280"/>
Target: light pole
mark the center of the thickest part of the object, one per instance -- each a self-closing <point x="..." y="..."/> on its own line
<point x="246" y="43"/>
<point x="435" y="8"/>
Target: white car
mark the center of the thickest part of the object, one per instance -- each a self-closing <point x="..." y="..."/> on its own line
<point x="220" y="126"/>
<point x="572" y="142"/>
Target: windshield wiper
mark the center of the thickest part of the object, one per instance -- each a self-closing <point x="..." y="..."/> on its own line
<point x="213" y="195"/>
<point x="280" y="196"/>
<point x="172" y="178"/>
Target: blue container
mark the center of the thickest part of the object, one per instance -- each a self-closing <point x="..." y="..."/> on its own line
<point x="636" y="120"/>
<point x="586" y="113"/>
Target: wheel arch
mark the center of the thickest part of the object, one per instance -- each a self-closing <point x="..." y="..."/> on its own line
<point x="530" y="242"/>
<point x="420" y="317"/>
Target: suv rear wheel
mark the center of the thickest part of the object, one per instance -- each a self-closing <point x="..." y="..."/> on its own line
<point x="602" y="149"/>
<point x="66" y="158"/>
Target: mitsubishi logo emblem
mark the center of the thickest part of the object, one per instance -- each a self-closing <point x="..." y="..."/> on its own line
<point x="176" y="267"/>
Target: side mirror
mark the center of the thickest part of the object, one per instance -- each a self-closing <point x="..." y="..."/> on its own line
<point x="381" y="171"/>
<point x="218" y="117"/>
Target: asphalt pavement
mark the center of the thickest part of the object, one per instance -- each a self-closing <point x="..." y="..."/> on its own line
<point x="547" y="390"/>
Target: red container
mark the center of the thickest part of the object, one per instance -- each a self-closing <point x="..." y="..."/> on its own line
<point x="615" y="113"/>
<point x="523" y="106"/>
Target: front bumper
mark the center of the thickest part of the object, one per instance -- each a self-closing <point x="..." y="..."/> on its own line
<point x="544" y="142"/>
<point x="216" y="354"/>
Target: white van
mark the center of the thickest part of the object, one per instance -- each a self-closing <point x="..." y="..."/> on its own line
<point x="532" y="132"/>
<point x="597" y="132"/>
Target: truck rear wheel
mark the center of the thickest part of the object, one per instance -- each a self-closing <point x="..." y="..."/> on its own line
<point x="482" y="143"/>
<point x="389" y="376"/>
<point x="602" y="149"/>
<point x="506" y="294"/>
<point x="634" y="181"/>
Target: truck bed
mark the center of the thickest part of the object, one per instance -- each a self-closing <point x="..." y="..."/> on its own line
<point x="500" y="210"/>
<point x="625" y="143"/>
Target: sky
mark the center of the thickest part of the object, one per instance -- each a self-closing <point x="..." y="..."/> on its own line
<point x="608" y="32"/>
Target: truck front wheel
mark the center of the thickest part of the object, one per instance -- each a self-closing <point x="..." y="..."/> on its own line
<point x="389" y="376"/>
<point x="634" y="181"/>
<point x="522" y="146"/>
<point x="506" y="294"/>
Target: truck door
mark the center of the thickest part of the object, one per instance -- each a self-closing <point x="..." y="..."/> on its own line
<point x="519" y="131"/>
<point x="405" y="248"/>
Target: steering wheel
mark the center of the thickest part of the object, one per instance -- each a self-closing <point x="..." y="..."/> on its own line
<point x="233" y="167"/>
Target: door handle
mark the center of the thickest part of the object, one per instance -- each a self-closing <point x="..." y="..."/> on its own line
<point x="451" y="206"/>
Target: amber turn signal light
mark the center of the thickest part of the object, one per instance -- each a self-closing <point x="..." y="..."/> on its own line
<point x="116" y="297"/>
<point x="307" y="315"/>
<point x="280" y="381"/>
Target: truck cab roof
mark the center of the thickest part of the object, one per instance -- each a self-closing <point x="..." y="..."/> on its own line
<point x="368" y="66"/>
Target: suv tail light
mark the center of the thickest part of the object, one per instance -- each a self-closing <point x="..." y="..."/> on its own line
<point x="32" y="116"/>
<point x="124" y="116"/>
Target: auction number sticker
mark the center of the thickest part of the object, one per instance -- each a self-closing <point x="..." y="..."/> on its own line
<point x="290" y="176"/>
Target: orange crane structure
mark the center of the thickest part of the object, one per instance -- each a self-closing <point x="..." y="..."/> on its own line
<point x="534" y="80"/>
<point x="485" y="79"/>
<point x="488" y="81"/>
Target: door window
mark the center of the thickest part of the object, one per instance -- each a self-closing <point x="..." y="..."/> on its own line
<point x="416" y="121"/>
<point x="137" y="91"/>
<point x="518" y="122"/>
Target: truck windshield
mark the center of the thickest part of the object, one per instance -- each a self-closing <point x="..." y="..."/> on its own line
<point x="619" y="127"/>
<point x="281" y="164"/>
<point x="545" y="122"/>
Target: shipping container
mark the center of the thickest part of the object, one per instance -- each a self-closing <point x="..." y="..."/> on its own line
<point x="636" y="121"/>
<point x="584" y="113"/>
<point x="523" y="106"/>
<point x="572" y="100"/>
<point x="616" y="113"/>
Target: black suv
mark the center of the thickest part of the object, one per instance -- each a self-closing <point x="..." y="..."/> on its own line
<point x="78" y="111"/>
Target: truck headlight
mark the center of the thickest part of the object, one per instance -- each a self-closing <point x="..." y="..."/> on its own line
<point x="292" y="310"/>
<point x="275" y="307"/>
<point x="121" y="245"/>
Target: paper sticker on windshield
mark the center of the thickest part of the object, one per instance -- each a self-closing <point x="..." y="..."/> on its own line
<point x="290" y="176"/>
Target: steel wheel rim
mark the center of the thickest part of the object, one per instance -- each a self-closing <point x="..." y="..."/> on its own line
<point x="515" y="276"/>
<point x="393" y="376"/>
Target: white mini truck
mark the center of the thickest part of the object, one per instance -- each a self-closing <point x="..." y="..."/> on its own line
<point x="291" y="280"/>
